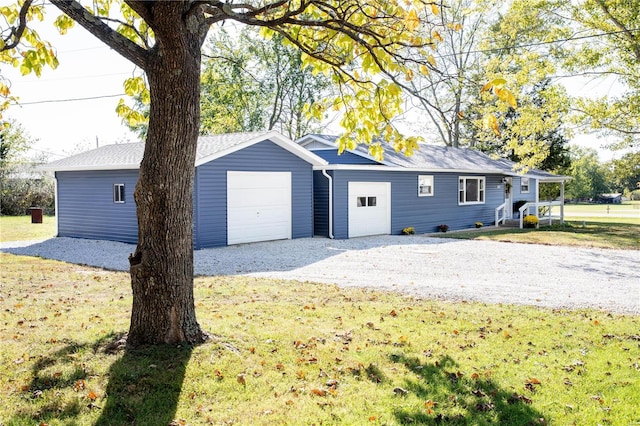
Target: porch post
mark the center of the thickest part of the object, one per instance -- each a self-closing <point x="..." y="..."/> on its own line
<point x="562" y="202"/>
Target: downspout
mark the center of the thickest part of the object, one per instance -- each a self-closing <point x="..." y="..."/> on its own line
<point x="330" y="179"/>
<point x="55" y="202"/>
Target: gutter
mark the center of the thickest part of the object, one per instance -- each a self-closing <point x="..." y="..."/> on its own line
<point x="330" y="179"/>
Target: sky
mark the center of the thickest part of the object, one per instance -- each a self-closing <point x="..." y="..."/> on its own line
<point x="88" y="69"/>
<point x="55" y="110"/>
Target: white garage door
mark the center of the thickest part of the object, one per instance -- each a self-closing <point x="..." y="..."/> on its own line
<point x="369" y="208"/>
<point x="258" y="206"/>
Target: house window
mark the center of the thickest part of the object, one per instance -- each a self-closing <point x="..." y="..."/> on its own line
<point x="524" y="185"/>
<point x="471" y="190"/>
<point x="425" y="186"/>
<point x="118" y="193"/>
<point x="367" y="201"/>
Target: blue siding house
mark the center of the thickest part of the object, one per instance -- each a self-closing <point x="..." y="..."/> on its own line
<point x="248" y="187"/>
<point x="262" y="186"/>
<point x="355" y="195"/>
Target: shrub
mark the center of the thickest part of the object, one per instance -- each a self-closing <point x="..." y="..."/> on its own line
<point x="18" y="195"/>
<point x="443" y="227"/>
<point x="409" y="230"/>
<point x="530" y="221"/>
<point x="479" y="224"/>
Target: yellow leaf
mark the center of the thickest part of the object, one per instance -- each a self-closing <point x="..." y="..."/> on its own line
<point x="437" y="36"/>
<point x="432" y="60"/>
<point x="4" y="90"/>
<point x="486" y="87"/>
<point x="408" y="75"/>
<point x="491" y="122"/>
<point x="434" y="9"/>
<point x="412" y="21"/>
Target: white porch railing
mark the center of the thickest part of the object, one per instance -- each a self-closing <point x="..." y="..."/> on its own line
<point x="542" y="211"/>
<point x="500" y="218"/>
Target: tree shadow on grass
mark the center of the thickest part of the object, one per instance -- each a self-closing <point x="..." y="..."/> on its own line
<point x="454" y="398"/>
<point x="143" y="387"/>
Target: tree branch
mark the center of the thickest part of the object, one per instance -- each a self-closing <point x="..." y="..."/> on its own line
<point x="635" y="44"/>
<point x="16" y="33"/>
<point x="102" y="31"/>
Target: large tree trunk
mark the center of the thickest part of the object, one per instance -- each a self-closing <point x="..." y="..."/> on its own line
<point x="162" y="265"/>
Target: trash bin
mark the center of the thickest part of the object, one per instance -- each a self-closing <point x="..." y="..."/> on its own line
<point x="36" y="215"/>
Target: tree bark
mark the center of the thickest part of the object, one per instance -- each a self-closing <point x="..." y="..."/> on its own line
<point x="162" y="265"/>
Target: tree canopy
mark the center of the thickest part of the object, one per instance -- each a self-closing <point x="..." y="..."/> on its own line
<point x="369" y="51"/>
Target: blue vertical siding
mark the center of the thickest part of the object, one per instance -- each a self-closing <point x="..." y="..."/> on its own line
<point x="211" y="184"/>
<point x="86" y="209"/>
<point x="422" y="213"/>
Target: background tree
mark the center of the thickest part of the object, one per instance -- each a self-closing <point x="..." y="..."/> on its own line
<point x="625" y="173"/>
<point x="445" y="95"/>
<point x="519" y="46"/>
<point x="611" y="29"/>
<point x="249" y="83"/>
<point x="365" y="48"/>
<point x="589" y="176"/>
<point x="22" y="185"/>
<point x="553" y="154"/>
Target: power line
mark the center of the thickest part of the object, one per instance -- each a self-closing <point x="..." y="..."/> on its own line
<point x="562" y="40"/>
<point x="51" y="101"/>
<point x="497" y="49"/>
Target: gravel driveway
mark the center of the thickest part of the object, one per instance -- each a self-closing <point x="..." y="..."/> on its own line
<point x="487" y="271"/>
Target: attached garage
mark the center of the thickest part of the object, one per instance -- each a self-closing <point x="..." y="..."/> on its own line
<point x="248" y="187"/>
<point x="258" y="206"/>
<point x="369" y="208"/>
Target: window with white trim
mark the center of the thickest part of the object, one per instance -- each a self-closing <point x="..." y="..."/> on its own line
<point x="524" y="185"/>
<point x="425" y="186"/>
<point x="471" y="190"/>
<point x="118" y="193"/>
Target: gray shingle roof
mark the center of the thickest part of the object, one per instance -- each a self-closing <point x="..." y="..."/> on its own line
<point x="129" y="155"/>
<point x="437" y="157"/>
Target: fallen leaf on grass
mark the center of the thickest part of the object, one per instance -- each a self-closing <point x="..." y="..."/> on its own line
<point x="240" y="378"/>
<point x="319" y="392"/>
<point x="429" y="405"/>
<point x="400" y="391"/>
<point x="485" y="406"/>
<point x="519" y="398"/>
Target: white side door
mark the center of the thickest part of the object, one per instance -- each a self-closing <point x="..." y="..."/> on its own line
<point x="369" y="208"/>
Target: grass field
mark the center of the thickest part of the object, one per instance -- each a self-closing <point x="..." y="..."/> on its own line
<point x="18" y="228"/>
<point x="300" y="353"/>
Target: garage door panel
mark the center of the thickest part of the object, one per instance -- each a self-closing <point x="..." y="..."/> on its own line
<point x="369" y="208"/>
<point x="258" y="206"/>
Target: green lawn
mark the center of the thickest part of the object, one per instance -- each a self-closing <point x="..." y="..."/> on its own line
<point x="299" y="353"/>
<point x="627" y="212"/>
<point x="611" y="235"/>
<point x="18" y="228"/>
